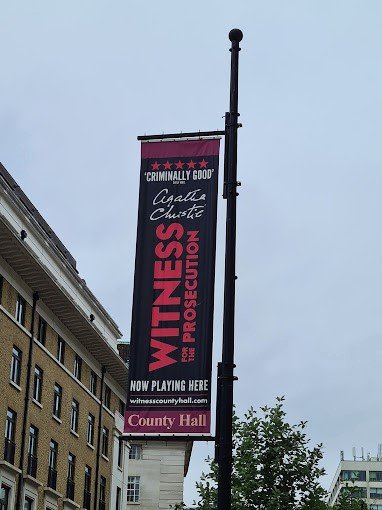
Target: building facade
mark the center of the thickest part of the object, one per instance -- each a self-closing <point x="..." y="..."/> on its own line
<point x="156" y="474"/>
<point x="360" y="478"/>
<point x="63" y="383"/>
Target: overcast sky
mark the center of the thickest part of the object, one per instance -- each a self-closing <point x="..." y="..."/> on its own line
<point x="81" y="79"/>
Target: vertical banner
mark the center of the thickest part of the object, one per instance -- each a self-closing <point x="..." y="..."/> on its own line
<point x="172" y="321"/>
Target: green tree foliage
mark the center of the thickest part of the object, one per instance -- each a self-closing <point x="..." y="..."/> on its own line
<point x="274" y="467"/>
<point x="350" y="500"/>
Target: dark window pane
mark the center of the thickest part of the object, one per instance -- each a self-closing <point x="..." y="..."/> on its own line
<point x="74" y="416"/>
<point x="5" y="492"/>
<point x="87" y="488"/>
<point x="20" y="310"/>
<point x="57" y="398"/>
<point x="16" y="365"/>
<point x="61" y="350"/>
<point x="9" y="440"/>
<point x="32" y="451"/>
<point x="120" y="454"/>
<point x="105" y="441"/>
<point x="118" y="499"/>
<point x="37" y="387"/>
<point x="41" y="331"/>
<point x="77" y="367"/>
<point x="93" y="382"/>
<point x="70" y="484"/>
<point x="102" y="489"/>
<point x="90" y="431"/>
<point x="107" y="396"/>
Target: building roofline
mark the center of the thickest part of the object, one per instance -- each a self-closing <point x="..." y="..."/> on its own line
<point x="33" y="211"/>
<point x="22" y="201"/>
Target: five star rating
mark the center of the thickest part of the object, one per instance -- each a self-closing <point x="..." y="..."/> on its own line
<point x="179" y="165"/>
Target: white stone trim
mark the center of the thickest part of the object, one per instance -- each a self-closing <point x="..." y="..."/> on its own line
<point x="18" y="217"/>
<point x="8" y="477"/>
<point x="16" y="386"/>
<point x="37" y="403"/>
<point x="58" y="420"/>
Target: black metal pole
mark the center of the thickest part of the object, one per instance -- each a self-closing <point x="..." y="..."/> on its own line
<point x="227" y="367"/>
<point x="218" y="411"/>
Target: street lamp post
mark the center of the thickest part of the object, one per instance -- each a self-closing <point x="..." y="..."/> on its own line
<point x="226" y="367"/>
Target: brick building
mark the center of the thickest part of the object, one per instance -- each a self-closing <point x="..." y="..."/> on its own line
<point x="62" y="381"/>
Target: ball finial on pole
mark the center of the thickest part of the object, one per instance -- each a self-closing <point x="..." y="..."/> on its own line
<point x="235" y="35"/>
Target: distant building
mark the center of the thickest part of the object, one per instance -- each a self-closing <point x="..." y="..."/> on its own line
<point x="156" y="474"/>
<point x="360" y="477"/>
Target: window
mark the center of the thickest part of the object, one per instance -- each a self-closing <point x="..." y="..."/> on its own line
<point x="348" y="475"/>
<point x="121" y="407"/>
<point x="375" y="493"/>
<point x="57" y="399"/>
<point x="10" y="430"/>
<point x="107" y="396"/>
<point x="375" y="476"/>
<point x="118" y="499"/>
<point x="77" y="367"/>
<point x="361" y="492"/>
<point x="61" y="350"/>
<point x="28" y="504"/>
<point x="135" y="452"/>
<point x="41" y="331"/>
<point x="102" y="493"/>
<point x="74" y="416"/>
<point x="120" y="453"/>
<point x="105" y="441"/>
<point x="37" y="387"/>
<point x="355" y="492"/>
<point x="375" y="507"/>
<point x="4" y="497"/>
<point x="133" y="489"/>
<point x="16" y="365"/>
<point x="90" y="432"/>
<point x="93" y="382"/>
<point x="53" y="451"/>
<point x="32" y="451"/>
<point x="52" y="466"/>
<point x="20" y="310"/>
<point x="87" y="487"/>
<point x="70" y="485"/>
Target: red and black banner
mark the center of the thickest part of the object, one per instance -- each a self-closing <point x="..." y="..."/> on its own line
<point x="172" y="321"/>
